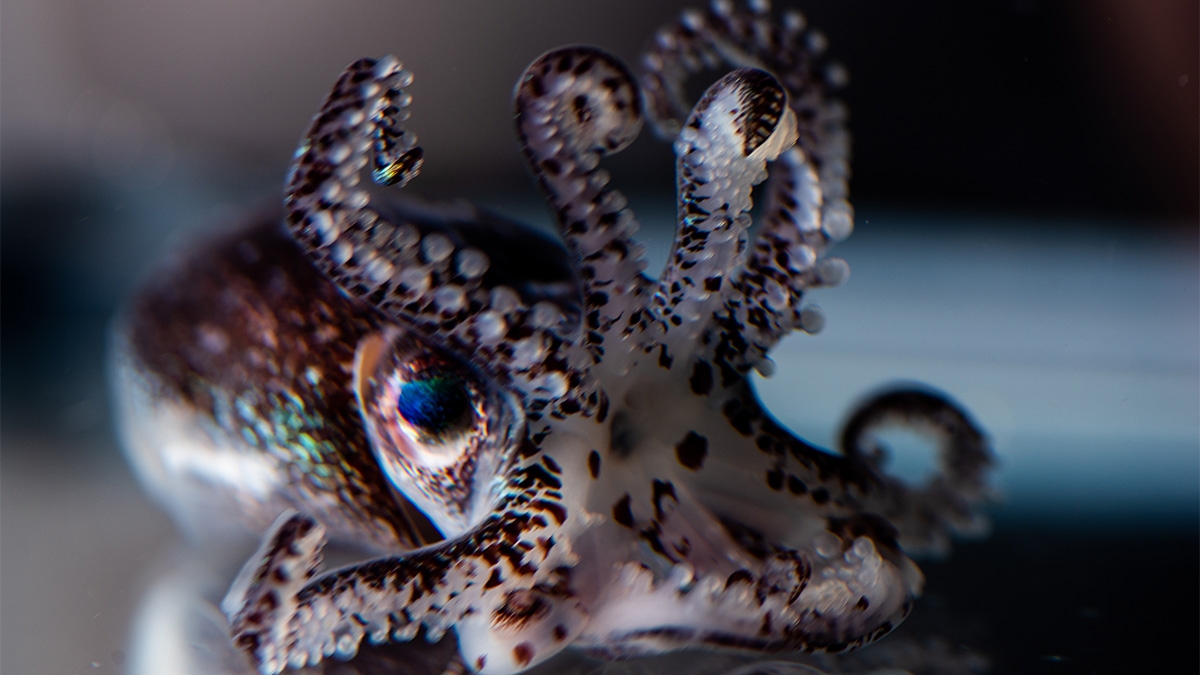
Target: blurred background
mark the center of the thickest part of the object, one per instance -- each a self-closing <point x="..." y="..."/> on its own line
<point x="1026" y="177"/>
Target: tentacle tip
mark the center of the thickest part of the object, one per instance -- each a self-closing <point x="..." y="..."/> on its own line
<point x="400" y="171"/>
<point x="748" y="107"/>
<point x="259" y="600"/>
<point x="780" y="140"/>
<point x="591" y="99"/>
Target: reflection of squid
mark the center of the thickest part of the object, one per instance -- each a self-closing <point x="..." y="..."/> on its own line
<point x="584" y="439"/>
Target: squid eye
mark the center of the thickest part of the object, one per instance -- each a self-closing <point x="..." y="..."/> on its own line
<point x="433" y="408"/>
<point x="440" y="428"/>
<point x="437" y="403"/>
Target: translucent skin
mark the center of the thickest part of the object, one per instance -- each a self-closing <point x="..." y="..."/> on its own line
<point x="586" y="442"/>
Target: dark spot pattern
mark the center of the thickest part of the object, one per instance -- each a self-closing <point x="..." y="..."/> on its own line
<point x="702" y="379"/>
<point x="692" y="450"/>
<point x="796" y="486"/>
<point x="519" y="609"/>
<point x="594" y="464"/>
<point x="523" y="653"/>
<point x="622" y="511"/>
<point x="661" y="489"/>
<point x="411" y="281"/>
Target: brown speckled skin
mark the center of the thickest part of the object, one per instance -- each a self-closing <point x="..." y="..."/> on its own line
<point x="248" y="318"/>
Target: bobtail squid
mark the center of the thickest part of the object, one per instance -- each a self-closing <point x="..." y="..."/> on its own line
<point x="547" y="446"/>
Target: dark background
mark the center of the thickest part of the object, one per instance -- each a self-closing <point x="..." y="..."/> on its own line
<point x="127" y="122"/>
<point x="1069" y="106"/>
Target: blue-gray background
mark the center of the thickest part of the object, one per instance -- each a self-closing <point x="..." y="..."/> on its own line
<point x="1026" y="183"/>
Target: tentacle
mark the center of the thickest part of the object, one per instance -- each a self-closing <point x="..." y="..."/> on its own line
<point x="788" y="258"/>
<point x="783" y="468"/>
<point x="740" y="124"/>
<point x="806" y="208"/>
<point x="843" y="592"/>
<point x="503" y="584"/>
<point x="718" y="582"/>
<point x="767" y="468"/>
<point x="728" y="36"/>
<point x="425" y="280"/>
<point x="949" y="503"/>
<point x="573" y="106"/>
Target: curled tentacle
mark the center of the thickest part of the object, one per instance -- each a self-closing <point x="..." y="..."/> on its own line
<point x="726" y="36"/>
<point x="740" y="124"/>
<point x="919" y="519"/>
<point x="806" y="208"/>
<point x="359" y="122"/>
<point x="423" y="279"/>
<point x="782" y="464"/>
<point x="949" y="502"/>
<point x="573" y="106"/>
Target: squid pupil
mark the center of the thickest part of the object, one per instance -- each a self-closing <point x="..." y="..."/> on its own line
<point x="435" y="403"/>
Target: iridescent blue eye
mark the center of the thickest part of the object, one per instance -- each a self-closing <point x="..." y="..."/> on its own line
<point x="434" y="402"/>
